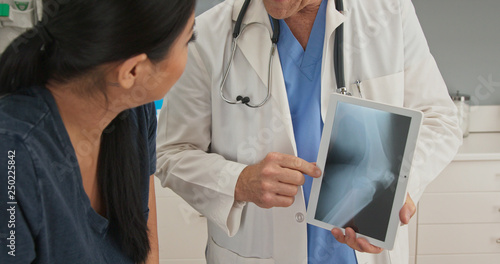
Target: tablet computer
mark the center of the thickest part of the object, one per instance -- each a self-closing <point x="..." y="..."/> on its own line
<point x="365" y="155"/>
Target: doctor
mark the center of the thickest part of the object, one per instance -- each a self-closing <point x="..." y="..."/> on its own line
<point x="239" y="131"/>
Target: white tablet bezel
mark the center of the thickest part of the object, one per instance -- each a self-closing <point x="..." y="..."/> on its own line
<point x="400" y="194"/>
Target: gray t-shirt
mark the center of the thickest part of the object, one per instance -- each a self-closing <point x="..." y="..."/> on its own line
<point x="45" y="214"/>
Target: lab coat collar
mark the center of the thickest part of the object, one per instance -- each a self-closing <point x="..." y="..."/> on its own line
<point x="256" y="12"/>
<point x="333" y="18"/>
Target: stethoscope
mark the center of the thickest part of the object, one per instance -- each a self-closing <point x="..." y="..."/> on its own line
<point x="338" y="56"/>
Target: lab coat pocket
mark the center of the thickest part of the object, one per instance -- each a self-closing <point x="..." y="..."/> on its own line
<point x="218" y="254"/>
<point x="388" y="89"/>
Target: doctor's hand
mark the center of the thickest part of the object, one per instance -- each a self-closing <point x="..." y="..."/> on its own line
<point x="361" y="244"/>
<point x="274" y="181"/>
<point x="408" y="211"/>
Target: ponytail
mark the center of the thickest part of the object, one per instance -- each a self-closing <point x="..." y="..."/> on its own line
<point x="118" y="172"/>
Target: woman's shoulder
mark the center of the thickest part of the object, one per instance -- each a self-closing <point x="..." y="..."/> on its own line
<point x="21" y="112"/>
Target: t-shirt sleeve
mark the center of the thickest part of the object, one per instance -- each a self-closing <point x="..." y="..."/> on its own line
<point x="149" y="131"/>
<point x="19" y="211"/>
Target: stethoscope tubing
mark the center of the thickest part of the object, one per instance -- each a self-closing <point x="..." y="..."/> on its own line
<point x="226" y="74"/>
<point x="338" y="55"/>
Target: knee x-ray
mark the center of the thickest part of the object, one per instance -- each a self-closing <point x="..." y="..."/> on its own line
<point x="362" y="167"/>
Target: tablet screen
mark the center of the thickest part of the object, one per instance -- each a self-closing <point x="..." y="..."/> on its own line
<point x="363" y="163"/>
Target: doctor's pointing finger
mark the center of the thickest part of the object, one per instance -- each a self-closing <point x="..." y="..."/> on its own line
<point x="274" y="181"/>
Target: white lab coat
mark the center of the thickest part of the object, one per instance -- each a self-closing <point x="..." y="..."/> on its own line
<point x="204" y="143"/>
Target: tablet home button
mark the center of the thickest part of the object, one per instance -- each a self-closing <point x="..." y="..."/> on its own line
<point x="299" y="217"/>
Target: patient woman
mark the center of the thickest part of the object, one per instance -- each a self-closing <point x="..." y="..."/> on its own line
<point x="77" y="129"/>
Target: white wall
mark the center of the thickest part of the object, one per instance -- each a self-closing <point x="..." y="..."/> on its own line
<point x="203" y="5"/>
<point x="464" y="37"/>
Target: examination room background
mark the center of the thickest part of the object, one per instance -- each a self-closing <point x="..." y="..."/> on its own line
<point x="463" y="36"/>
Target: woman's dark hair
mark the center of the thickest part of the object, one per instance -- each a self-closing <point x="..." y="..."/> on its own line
<point x="74" y="38"/>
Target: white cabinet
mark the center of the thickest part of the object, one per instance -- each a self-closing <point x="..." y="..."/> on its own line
<point x="412" y="229"/>
<point x="457" y="208"/>
<point x="182" y="231"/>
<point x="458" y="218"/>
<point x="459" y="259"/>
<point x="466" y="238"/>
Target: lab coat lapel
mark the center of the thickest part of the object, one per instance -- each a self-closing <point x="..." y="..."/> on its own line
<point x="255" y="44"/>
<point x="255" y="41"/>
<point x="280" y="97"/>
<point x="328" y="82"/>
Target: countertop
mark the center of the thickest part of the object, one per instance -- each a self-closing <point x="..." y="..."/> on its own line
<point x="480" y="146"/>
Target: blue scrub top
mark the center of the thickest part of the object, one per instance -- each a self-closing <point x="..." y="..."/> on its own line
<point x="302" y="74"/>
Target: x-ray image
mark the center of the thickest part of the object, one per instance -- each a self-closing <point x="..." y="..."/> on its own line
<point x="362" y="167"/>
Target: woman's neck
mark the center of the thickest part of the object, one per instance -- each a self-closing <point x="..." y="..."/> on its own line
<point x="85" y="117"/>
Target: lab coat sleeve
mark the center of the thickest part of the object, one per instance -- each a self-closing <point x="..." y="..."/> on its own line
<point x="425" y="90"/>
<point x="205" y="180"/>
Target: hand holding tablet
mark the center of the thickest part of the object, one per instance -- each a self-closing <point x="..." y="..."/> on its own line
<point x="362" y="245"/>
<point x="365" y="154"/>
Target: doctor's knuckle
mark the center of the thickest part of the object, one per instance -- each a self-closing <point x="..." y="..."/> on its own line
<point x="267" y="199"/>
<point x="267" y="171"/>
<point x="273" y="156"/>
<point x="266" y="186"/>
<point x="298" y="163"/>
<point x="300" y="179"/>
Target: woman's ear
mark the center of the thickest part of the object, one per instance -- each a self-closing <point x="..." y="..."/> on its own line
<point x="129" y="70"/>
